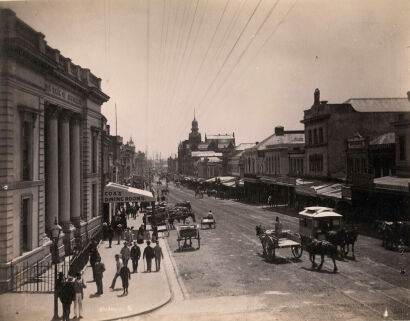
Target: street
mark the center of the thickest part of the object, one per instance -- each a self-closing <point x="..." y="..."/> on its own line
<point x="228" y="278"/>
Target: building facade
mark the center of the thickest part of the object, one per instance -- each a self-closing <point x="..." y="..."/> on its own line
<point x="51" y="148"/>
<point x="328" y="126"/>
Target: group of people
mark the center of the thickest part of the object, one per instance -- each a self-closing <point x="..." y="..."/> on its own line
<point x="70" y="290"/>
<point x="134" y="253"/>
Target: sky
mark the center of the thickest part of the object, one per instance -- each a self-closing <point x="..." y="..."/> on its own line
<point x="243" y="66"/>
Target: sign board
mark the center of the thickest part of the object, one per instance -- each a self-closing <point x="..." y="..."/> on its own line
<point x="116" y="193"/>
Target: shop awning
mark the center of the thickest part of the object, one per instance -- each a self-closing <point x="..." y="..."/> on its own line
<point x="320" y="189"/>
<point x="116" y="193"/>
<point x="393" y="183"/>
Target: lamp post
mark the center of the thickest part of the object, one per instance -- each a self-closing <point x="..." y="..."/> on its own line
<point x="55" y="235"/>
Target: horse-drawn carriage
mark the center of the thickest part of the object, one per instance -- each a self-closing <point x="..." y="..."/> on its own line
<point x="199" y="194"/>
<point x="395" y="235"/>
<point x="272" y="240"/>
<point x="208" y="221"/>
<point x="186" y="233"/>
<point x="320" y="233"/>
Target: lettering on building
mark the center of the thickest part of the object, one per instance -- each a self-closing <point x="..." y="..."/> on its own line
<point x="62" y="94"/>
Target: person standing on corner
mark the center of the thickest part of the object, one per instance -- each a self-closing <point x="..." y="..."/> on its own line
<point x="67" y="297"/>
<point x="158" y="256"/>
<point x="79" y="296"/>
<point x="125" y="276"/>
<point x="99" y="270"/>
<point x="148" y="255"/>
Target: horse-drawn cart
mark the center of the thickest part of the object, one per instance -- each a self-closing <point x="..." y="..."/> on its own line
<point x="209" y="222"/>
<point x="186" y="233"/>
<point x="272" y="241"/>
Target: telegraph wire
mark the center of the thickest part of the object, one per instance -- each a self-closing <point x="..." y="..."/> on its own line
<point x="261" y="47"/>
<point x="229" y="54"/>
<point x="245" y="50"/>
<point x="193" y="84"/>
<point x="181" y="66"/>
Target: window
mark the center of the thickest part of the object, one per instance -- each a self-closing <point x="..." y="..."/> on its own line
<point x="25" y="225"/>
<point x="315" y="136"/>
<point x="402" y="148"/>
<point x="26" y="146"/>
<point x="310" y="137"/>
<point x="316" y="163"/>
<point x="320" y="135"/>
<point x="94" y="156"/>
<point x="94" y="200"/>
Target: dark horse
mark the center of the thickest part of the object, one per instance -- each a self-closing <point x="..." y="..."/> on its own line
<point x="351" y="238"/>
<point x="338" y="239"/>
<point x="322" y="248"/>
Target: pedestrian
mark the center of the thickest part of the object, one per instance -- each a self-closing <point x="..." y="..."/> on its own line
<point x="125" y="276"/>
<point x="94" y="255"/>
<point x="99" y="270"/>
<point x="59" y="284"/>
<point x="158" y="256"/>
<point x="278" y="227"/>
<point x="125" y="253"/>
<point x="117" y="273"/>
<point x="67" y="298"/>
<point x="135" y="256"/>
<point x="119" y="233"/>
<point x="270" y="201"/>
<point x="128" y="235"/>
<point x="110" y="234"/>
<point x="79" y="287"/>
<point x="148" y="255"/>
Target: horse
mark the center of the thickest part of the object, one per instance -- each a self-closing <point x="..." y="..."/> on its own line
<point x="338" y="238"/>
<point x="322" y="248"/>
<point x="390" y="234"/>
<point x="351" y="238"/>
<point x="268" y="243"/>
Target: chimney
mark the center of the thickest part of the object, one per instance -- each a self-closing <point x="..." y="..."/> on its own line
<point x="279" y="130"/>
<point x="323" y="102"/>
<point x="316" y="97"/>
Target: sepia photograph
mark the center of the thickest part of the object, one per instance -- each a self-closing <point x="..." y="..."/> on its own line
<point x="204" y="160"/>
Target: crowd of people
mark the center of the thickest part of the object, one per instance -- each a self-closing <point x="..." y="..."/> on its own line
<point x="70" y="289"/>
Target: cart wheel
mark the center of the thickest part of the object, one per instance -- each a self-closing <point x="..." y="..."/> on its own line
<point x="214" y="225"/>
<point x="297" y="251"/>
<point x="199" y="243"/>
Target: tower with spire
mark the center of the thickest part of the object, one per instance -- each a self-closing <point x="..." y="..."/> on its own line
<point x="194" y="135"/>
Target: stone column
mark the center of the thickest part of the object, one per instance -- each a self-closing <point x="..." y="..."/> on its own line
<point x="64" y="171"/>
<point x="75" y="171"/>
<point x="52" y="168"/>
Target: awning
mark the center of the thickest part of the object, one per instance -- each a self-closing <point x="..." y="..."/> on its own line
<point x="320" y="189"/>
<point x="116" y="193"/>
<point x="393" y="183"/>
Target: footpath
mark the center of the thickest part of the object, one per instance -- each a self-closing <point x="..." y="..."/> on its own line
<point x="146" y="292"/>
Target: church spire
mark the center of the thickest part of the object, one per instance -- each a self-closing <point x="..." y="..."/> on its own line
<point x="194" y="113"/>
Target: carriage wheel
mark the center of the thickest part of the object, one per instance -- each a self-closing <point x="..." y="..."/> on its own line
<point x="214" y="225"/>
<point x="297" y="251"/>
<point x="199" y="242"/>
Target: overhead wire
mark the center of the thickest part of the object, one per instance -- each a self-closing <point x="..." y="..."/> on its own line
<point x="193" y="84"/>
<point x="228" y="55"/>
<point x="245" y="50"/>
<point x="260" y="48"/>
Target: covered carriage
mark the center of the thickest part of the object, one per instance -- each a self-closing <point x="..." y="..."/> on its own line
<point x="186" y="233"/>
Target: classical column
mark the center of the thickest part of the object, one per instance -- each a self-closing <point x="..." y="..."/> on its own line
<point x="75" y="171"/>
<point x="51" y="167"/>
<point x="64" y="170"/>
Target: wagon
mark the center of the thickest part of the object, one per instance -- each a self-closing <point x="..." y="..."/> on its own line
<point x="186" y="233"/>
<point x="316" y="221"/>
<point x="208" y="221"/>
<point x="271" y="241"/>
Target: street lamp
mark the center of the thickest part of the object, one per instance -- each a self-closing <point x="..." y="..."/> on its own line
<point x="55" y="235"/>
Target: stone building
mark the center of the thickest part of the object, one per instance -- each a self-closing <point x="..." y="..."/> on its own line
<point x="327" y="126"/>
<point x="50" y="147"/>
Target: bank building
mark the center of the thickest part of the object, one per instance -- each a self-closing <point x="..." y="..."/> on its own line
<point x="50" y="149"/>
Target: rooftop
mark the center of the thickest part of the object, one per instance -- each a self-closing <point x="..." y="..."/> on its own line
<point x="379" y="104"/>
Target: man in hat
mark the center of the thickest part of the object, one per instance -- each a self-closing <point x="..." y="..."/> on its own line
<point x="125" y="253"/>
<point x="67" y="297"/>
<point x="99" y="270"/>
<point x="135" y="256"/>
<point x="148" y="255"/>
<point x="158" y="256"/>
